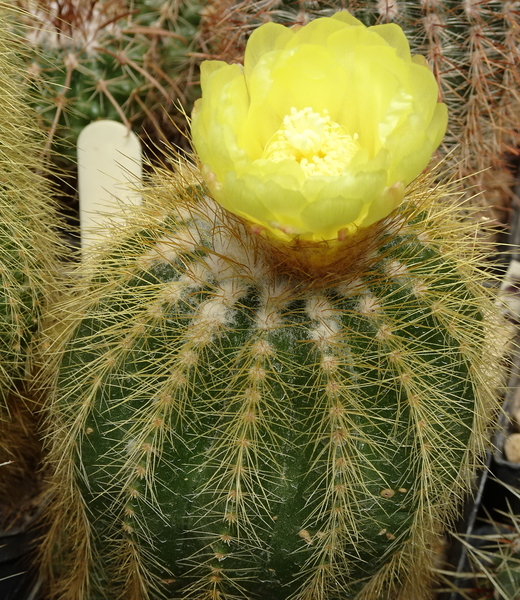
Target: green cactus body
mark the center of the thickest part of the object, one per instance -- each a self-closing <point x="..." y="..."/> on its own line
<point x="105" y="59"/>
<point x="225" y="427"/>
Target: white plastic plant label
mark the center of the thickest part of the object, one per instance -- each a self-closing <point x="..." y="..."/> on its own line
<point x="109" y="172"/>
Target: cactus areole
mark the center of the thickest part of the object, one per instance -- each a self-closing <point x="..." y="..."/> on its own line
<point x="240" y="424"/>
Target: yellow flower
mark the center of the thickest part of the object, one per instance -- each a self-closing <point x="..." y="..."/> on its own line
<point x="321" y="130"/>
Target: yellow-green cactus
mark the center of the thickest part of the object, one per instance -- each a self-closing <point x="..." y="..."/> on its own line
<point x="222" y="428"/>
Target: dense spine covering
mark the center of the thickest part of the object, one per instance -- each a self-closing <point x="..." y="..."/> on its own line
<point x="223" y="428"/>
<point x="29" y="251"/>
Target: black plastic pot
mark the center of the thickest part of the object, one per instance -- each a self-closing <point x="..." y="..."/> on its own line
<point x="18" y="577"/>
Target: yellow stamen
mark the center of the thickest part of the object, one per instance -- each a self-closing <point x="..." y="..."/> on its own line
<point x="319" y="144"/>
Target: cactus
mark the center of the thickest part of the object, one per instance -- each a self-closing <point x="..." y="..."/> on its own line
<point x="472" y="47"/>
<point x="110" y="59"/>
<point x="29" y="253"/>
<point x="228" y="422"/>
<point x="492" y="565"/>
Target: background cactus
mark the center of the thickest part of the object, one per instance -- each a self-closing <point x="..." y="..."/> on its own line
<point x="29" y="251"/>
<point x="472" y="47"/>
<point x="492" y="565"/>
<point x="225" y="426"/>
<point x="112" y="59"/>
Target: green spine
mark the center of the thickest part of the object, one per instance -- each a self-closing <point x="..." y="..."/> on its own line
<point x="225" y="428"/>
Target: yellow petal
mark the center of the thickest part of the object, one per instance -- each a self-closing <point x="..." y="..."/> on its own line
<point x="395" y="114"/>
<point x="261" y="121"/>
<point x="345" y="43"/>
<point x="410" y="150"/>
<point x="316" y="32"/>
<point x="207" y="69"/>
<point x="329" y="215"/>
<point x="366" y="58"/>
<point x="384" y="204"/>
<point x="377" y="88"/>
<point x="395" y="37"/>
<point x="425" y="90"/>
<point x="419" y="59"/>
<point x="308" y="76"/>
<point x="438" y="125"/>
<point x="242" y="197"/>
<point x="219" y="116"/>
<point x="267" y="195"/>
<point x="265" y="39"/>
<point x="339" y="201"/>
<point x="287" y="174"/>
<point x="414" y="142"/>
<point x="345" y="17"/>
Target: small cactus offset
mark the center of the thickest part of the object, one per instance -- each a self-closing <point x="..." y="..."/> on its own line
<point x="29" y="251"/>
<point x="112" y="59"/>
<point x="277" y="383"/>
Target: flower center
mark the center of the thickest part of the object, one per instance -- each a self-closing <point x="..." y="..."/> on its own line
<point x="320" y="145"/>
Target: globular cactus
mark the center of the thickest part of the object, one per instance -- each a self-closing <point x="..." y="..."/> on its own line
<point x="288" y="400"/>
<point x="112" y="59"/>
<point x="29" y="252"/>
<point x="472" y="47"/>
<point x="226" y="427"/>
